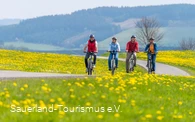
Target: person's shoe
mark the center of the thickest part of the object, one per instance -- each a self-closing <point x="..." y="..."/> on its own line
<point x="135" y="65"/>
<point x="109" y="69"/>
<point x="153" y="72"/>
<point x="93" y="65"/>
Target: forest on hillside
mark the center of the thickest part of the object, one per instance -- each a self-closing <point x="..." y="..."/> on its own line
<point x="72" y="30"/>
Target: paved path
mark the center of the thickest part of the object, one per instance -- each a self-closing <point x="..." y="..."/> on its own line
<point x="4" y="74"/>
<point x="161" y="69"/>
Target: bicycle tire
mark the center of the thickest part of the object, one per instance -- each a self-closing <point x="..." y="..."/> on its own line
<point x="90" y="67"/>
<point x="113" y="67"/>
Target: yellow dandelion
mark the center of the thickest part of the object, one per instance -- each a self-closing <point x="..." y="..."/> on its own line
<point x="117" y="115"/>
<point x="179" y="116"/>
<point x="52" y="100"/>
<point x="15" y="84"/>
<point x="158" y="112"/>
<point x="72" y="96"/>
<point x="180" y="103"/>
<point x="71" y="90"/>
<point x="88" y="104"/>
<point x="190" y="113"/>
<point x="148" y="116"/>
<point x="59" y="99"/>
<point x="103" y="96"/>
<point x="25" y="85"/>
<point x="22" y="89"/>
<point x="100" y="116"/>
<point x="160" y="117"/>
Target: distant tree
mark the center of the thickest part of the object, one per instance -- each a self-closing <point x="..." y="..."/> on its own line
<point x="147" y="28"/>
<point x="187" y="44"/>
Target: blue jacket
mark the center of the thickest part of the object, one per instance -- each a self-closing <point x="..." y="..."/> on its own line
<point x="114" y="47"/>
<point x="155" y="47"/>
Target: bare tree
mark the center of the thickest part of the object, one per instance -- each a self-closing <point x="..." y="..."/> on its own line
<point x="187" y="44"/>
<point x="147" y="28"/>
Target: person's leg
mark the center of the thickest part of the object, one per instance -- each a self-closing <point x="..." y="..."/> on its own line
<point x="94" y="59"/>
<point x="116" y="60"/>
<point x="127" y="61"/>
<point x="154" y="62"/>
<point x="147" y="60"/>
<point x="109" y="61"/>
<point x="86" y="60"/>
<point x="135" y="59"/>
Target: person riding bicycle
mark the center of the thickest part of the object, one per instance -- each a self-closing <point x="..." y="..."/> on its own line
<point x="114" y="46"/>
<point x="131" y="48"/>
<point x="91" y="47"/>
<point x="151" y="49"/>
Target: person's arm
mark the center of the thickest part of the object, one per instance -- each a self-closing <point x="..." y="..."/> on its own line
<point x="96" y="44"/>
<point x="155" y="48"/>
<point x="127" y="47"/>
<point x="119" y="48"/>
<point x="109" y="49"/>
<point x="147" y="46"/>
<point x="85" y="48"/>
<point x="137" y="47"/>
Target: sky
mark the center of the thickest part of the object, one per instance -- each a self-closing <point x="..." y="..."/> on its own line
<point x="23" y="9"/>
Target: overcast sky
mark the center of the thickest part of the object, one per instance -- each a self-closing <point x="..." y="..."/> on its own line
<point x="33" y="8"/>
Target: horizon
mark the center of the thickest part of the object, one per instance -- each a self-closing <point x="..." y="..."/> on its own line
<point x="23" y="11"/>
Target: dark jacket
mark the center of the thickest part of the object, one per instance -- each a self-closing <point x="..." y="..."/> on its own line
<point x="155" y="48"/>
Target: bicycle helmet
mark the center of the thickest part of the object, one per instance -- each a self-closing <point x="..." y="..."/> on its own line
<point x="91" y="36"/>
<point x="114" y="38"/>
<point x="151" y="38"/>
<point x="133" y="36"/>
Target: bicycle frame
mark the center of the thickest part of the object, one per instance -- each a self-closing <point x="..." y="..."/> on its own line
<point x="150" y="66"/>
<point x="131" y="62"/>
<point x="113" y="63"/>
<point x="90" y="63"/>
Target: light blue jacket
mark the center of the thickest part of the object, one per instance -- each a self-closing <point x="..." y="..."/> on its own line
<point x="114" y="47"/>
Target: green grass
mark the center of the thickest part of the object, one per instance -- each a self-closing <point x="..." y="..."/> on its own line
<point x="140" y="97"/>
<point x="172" y="37"/>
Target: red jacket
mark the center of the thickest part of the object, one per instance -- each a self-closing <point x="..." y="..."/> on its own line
<point x="132" y="47"/>
<point x="92" y="47"/>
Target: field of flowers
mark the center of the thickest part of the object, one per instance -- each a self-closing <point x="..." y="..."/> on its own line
<point x="46" y="62"/>
<point x="122" y="98"/>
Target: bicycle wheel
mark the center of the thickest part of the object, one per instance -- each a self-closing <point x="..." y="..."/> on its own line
<point x="149" y="67"/>
<point x="131" y="65"/>
<point x="90" y="67"/>
<point x="113" y="66"/>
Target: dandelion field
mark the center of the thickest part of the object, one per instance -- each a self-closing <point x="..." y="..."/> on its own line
<point x="137" y="96"/>
<point x="120" y="98"/>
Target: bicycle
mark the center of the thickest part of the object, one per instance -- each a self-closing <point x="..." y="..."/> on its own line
<point x="150" y="63"/>
<point x="113" y="63"/>
<point x="90" y="68"/>
<point x="150" y="66"/>
<point x="131" y="63"/>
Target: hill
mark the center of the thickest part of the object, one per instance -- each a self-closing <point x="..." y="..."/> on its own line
<point x="4" y="22"/>
<point x="171" y="38"/>
<point x="72" y="30"/>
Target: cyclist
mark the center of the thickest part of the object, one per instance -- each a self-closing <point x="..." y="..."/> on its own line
<point x="114" y="46"/>
<point x="151" y="49"/>
<point x="131" y="48"/>
<point x="91" y="46"/>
